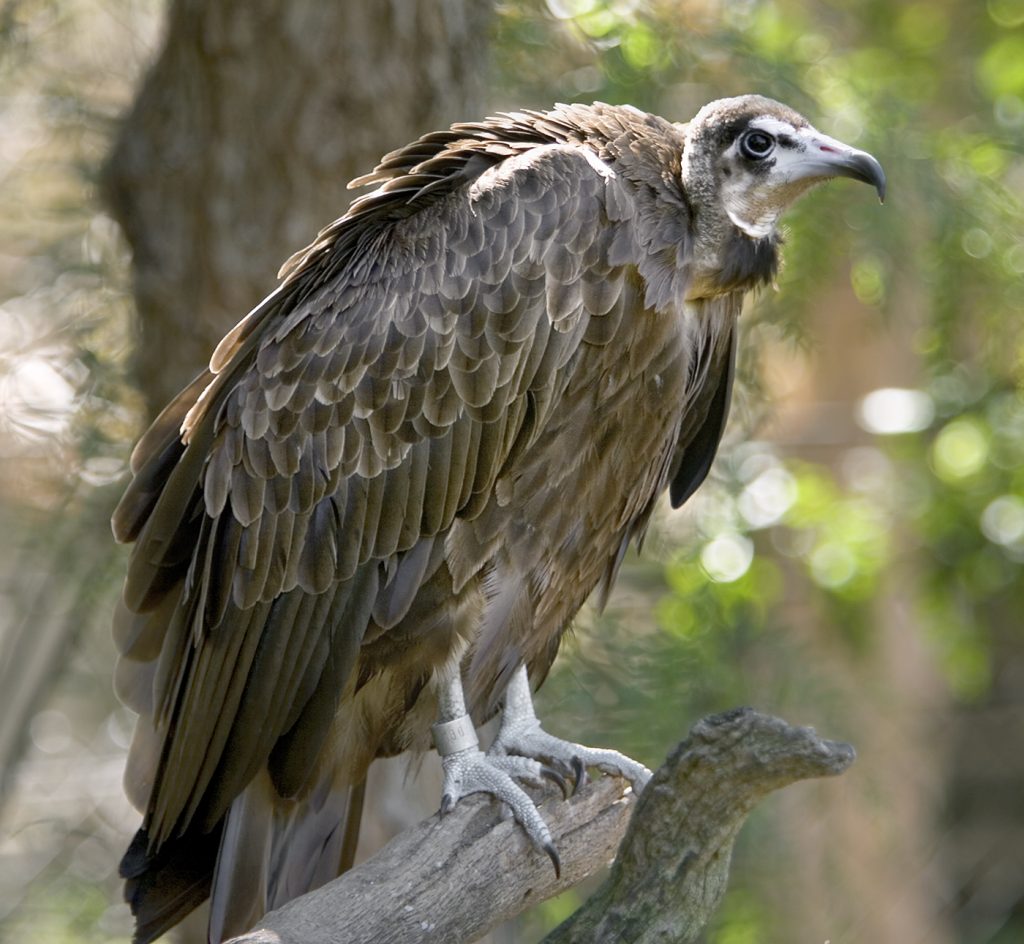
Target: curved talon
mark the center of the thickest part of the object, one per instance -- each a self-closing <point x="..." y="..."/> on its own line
<point x="447" y="804"/>
<point x="552" y="852"/>
<point x="549" y="773"/>
<point x="559" y="764"/>
<point x="579" y="774"/>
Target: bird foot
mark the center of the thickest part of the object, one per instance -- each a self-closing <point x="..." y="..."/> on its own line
<point x="470" y="770"/>
<point x="522" y="751"/>
<point x="522" y="737"/>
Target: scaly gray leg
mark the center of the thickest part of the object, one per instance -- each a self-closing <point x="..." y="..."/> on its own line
<point x="522" y="736"/>
<point x="517" y="752"/>
<point x="468" y="770"/>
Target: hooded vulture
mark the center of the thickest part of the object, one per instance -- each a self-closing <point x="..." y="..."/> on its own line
<point x="371" y="520"/>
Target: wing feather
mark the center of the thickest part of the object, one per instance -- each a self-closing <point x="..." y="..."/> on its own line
<point x="365" y="408"/>
<point x="704" y="423"/>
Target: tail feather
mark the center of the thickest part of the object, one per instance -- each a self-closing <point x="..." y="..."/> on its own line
<point x="274" y="850"/>
<point x="264" y="853"/>
<point x="353" y="820"/>
<point x="238" y="897"/>
<point x="163" y="888"/>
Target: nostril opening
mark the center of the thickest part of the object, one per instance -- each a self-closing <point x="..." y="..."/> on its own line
<point x="825" y="147"/>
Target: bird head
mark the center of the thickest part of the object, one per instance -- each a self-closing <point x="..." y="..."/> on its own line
<point x="753" y="157"/>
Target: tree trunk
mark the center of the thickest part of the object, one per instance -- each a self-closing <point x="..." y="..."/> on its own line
<point x="238" y="148"/>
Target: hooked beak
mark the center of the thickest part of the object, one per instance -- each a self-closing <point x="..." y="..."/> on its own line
<point x="824" y="157"/>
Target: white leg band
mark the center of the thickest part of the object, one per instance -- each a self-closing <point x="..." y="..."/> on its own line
<point x="455" y="735"/>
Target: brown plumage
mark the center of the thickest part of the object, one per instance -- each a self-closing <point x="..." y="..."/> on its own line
<point x="437" y="437"/>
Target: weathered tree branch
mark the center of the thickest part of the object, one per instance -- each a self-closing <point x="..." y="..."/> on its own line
<point x="453" y="879"/>
<point x="673" y="866"/>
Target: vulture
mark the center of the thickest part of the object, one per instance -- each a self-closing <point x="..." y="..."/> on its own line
<point x="368" y="524"/>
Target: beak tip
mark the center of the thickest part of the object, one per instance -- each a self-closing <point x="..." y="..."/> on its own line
<point x="869" y="170"/>
<point x="875" y="175"/>
<point x="880" y="184"/>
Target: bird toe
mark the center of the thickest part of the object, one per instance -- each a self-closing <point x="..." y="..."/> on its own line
<point x="572" y="758"/>
<point x="471" y="771"/>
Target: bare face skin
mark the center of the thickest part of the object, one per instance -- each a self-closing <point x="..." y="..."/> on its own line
<point x="772" y="163"/>
<point x="762" y="156"/>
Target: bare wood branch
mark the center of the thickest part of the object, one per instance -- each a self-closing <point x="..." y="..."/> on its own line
<point x="453" y="879"/>
<point x="673" y="867"/>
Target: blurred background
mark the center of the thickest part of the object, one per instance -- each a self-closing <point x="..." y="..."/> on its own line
<point x="855" y="560"/>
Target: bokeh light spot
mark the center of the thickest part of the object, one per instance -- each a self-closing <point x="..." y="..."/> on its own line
<point x="1007" y="13"/>
<point x="868" y="280"/>
<point x="960" y="450"/>
<point x="893" y="410"/>
<point x="768" y="497"/>
<point x="833" y="565"/>
<point x="1002" y="521"/>
<point x="727" y="558"/>
<point x="977" y="243"/>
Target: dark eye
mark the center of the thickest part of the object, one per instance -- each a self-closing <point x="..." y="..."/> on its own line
<point x="757" y="145"/>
